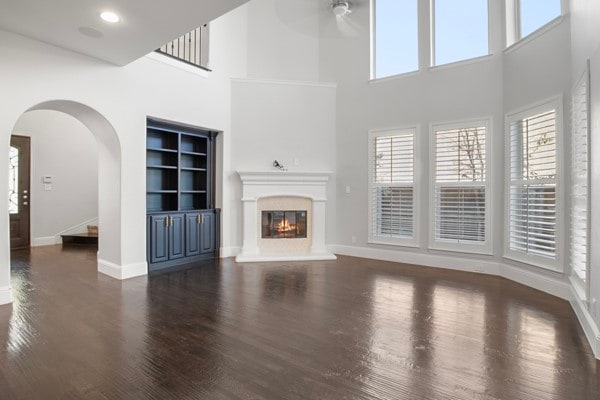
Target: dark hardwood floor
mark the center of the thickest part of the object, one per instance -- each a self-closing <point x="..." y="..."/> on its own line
<point x="345" y="329"/>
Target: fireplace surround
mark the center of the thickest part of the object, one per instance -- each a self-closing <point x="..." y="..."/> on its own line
<point x="285" y="192"/>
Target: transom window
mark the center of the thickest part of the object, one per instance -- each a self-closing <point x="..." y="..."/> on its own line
<point x="460" y="30"/>
<point x="396" y="42"/>
<point x="524" y="17"/>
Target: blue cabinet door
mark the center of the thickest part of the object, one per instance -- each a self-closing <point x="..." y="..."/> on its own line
<point x="192" y="238"/>
<point x="177" y="236"/>
<point x="159" y="239"/>
<point x="207" y="232"/>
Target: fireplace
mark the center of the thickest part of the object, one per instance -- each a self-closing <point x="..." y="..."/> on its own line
<point x="284" y="216"/>
<point x="284" y="224"/>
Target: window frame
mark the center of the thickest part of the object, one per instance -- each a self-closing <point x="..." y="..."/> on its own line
<point x="432" y="44"/>
<point x="373" y="49"/>
<point x="485" y="248"/>
<point x="372" y="135"/>
<point x="547" y="263"/>
<point x="582" y="288"/>
<point x="513" y="23"/>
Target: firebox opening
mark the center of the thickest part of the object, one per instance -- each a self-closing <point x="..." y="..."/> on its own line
<point x="284" y="224"/>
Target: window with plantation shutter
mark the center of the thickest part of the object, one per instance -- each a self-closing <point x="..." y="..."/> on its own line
<point x="580" y="131"/>
<point x="533" y="186"/>
<point x="460" y="187"/>
<point x="392" y="191"/>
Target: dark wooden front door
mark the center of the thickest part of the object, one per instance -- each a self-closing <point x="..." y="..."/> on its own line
<point x="18" y="192"/>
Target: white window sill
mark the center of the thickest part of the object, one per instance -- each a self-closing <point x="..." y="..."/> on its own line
<point x="534" y="261"/>
<point x="460" y="63"/>
<point x="395" y="77"/>
<point x="534" y="35"/>
<point x="465" y="248"/>
<point x="395" y="242"/>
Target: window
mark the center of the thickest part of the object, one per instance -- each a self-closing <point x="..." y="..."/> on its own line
<point x="533" y="193"/>
<point x="392" y="187"/>
<point x="533" y="14"/>
<point x="580" y="131"/>
<point x="523" y="17"/>
<point x="460" y="187"/>
<point x="396" y="42"/>
<point x="460" y="30"/>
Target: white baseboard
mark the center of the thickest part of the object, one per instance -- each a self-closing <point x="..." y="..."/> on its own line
<point x="284" y="257"/>
<point x="122" y="272"/>
<point x="592" y="333"/>
<point x="554" y="286"/>
<point x="46" y="241"/>
<point x="230" y="251"/>
<point x="6" y="295"/>
<point x="458" y="263"/>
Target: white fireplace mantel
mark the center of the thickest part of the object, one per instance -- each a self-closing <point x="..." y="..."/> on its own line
<point x="257" y="185"/>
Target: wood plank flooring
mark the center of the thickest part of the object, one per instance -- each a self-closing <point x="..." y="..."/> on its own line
<point x="345" y="329"/>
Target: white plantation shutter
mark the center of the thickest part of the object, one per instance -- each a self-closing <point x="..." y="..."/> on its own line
<point x="460" y="184"/>
<point x="580" y="179"/>
<point x="532" y="225"/>
<point x="392" y="186"/>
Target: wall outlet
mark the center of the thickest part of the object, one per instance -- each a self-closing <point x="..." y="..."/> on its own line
<point x="47" y="187"/>
<point x="296" y="161"/>
<point x="347" y="189"/>
<point x="353" y="239"/>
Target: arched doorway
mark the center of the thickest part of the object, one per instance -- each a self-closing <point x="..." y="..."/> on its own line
<point x="109" y="191"/>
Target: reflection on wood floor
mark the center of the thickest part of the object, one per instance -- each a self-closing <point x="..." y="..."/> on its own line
<point x="345" y="329"/>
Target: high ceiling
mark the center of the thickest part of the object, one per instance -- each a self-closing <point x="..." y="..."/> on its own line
<point x="76" y="25"/>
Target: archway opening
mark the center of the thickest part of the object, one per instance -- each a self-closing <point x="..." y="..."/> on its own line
<point x="105" y="178"/>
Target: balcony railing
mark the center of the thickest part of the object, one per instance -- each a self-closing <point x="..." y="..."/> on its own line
<point x="191" y="48"/>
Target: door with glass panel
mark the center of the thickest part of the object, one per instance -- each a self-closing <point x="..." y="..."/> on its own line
<point x="18" y="191"/>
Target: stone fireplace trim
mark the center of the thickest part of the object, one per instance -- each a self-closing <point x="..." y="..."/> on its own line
<point x="257" y="185"/>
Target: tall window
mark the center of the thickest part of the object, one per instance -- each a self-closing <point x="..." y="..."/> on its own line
<point x="460" y="30"/>
<point x="396" y="41"/>
<point x="461" y="188"/>
<point x="579" y="194"/>
<point x="392" y="187"/>
<point x="523" y="17"/>
<point x="533" y="14"/>
<point x="533" y="186"/>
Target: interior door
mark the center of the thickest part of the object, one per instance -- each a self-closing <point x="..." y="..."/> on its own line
<point x="18" y="191"/>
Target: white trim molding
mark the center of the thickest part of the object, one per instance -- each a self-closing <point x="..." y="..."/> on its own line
<point x="6" y="295"/>
<point x="46" y="241"/>
<point x="469" y="263"/>
<point x="592" y="333"/>
<point x="257" y="185"/>
<point x="122" y="272"/>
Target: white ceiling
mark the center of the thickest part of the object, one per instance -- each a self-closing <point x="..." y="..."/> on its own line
<point x="145" y="24"/>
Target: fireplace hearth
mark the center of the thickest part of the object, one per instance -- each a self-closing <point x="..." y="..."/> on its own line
<point x="279" y="224"/>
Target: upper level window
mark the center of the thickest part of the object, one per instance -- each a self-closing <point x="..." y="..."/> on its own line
<point x="533" y="186"/>
<point x="396" y="43"/>
<point x="460" y="30"/>
<point x="460" y="187"/>
<point x="536" y="13"/>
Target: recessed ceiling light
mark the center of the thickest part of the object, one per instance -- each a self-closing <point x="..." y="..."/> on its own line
<point x="110" y="16"/>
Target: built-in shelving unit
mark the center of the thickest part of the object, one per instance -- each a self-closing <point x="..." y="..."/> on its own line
<point x="179" y="193"/>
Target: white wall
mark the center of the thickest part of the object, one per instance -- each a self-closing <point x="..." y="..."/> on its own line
<point x="61" y="146"/>
<point x="293" y="123"/>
